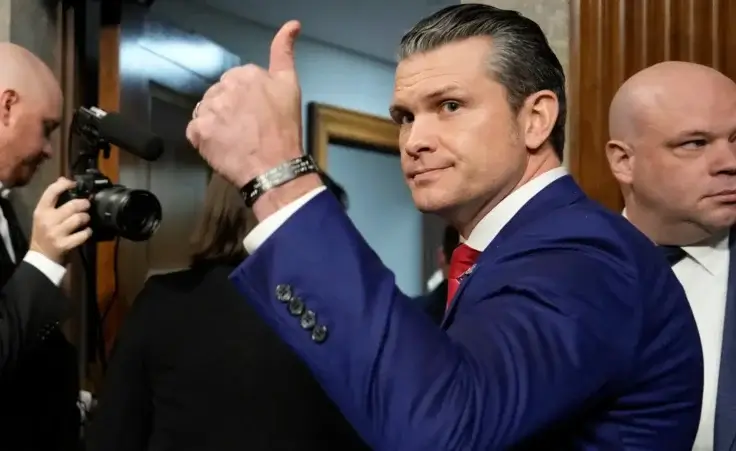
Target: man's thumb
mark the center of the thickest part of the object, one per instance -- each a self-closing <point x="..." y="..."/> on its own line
<point x="282" y="48"/>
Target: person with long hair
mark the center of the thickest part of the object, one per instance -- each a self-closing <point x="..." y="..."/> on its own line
<point x="195" y="368"/>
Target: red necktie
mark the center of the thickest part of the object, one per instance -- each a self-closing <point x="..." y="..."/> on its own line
<point x="463" y="257"/>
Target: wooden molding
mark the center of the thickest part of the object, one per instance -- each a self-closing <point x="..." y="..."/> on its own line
<point x="573" y="94"/>
<point x="330" y="124"/>
<point x="612" y="40"/>
<point x="109" y="100"/>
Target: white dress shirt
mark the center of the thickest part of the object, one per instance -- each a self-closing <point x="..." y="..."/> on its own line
<point x="54" y="271"/>
<point x="703" y="274"/>
<point x="479" y="238"/>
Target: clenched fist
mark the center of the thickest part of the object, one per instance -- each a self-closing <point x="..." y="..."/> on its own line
<point x="56" y="231"/>
<point x="251" y="120"/>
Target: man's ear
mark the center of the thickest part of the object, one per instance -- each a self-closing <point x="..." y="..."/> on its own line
<point x="621" y="161"/>
<point x="541" y="111"/>
<point x="8" y="99"/>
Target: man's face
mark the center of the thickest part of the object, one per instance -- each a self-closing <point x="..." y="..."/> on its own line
<point x="26" y="125"/>
<point x="684" y="163"/>
<point x="458" y="138"/>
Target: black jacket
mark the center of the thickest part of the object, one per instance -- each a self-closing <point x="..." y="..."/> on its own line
<point x="195" y="368"/>
<point x="39" y="377"/>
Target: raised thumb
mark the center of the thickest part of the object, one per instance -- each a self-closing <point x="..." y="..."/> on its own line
<point x="282" y="49"/>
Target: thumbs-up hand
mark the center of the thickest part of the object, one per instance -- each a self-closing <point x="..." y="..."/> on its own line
<point x="250" y="121"/>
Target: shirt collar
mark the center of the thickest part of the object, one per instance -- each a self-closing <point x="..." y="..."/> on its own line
<point x="4" y="192"/>
<point x="706" y="254"/>
<point x="709" y="253"/>
<point x="492" y="224"/>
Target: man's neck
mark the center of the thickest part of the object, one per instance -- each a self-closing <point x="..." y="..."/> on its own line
<point x="665" y="232"/>
<point x="534" y="168"/>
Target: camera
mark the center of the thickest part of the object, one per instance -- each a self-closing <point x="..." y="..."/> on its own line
<point x="115" y="210"/>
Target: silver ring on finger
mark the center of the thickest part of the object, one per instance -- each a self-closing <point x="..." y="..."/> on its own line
<point x="196" y="110"/>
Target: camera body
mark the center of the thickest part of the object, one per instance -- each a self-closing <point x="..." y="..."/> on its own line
<point x="114" y="209"/>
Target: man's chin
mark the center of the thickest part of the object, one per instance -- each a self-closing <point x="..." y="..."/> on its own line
<point x="433" y="205"/>
<point x="720" y="223"/>
<point x="21" y="180"/>
<point x="30" y="171"/>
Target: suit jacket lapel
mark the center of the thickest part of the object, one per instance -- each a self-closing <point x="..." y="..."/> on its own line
<point x="558" y="194"/>
<point x="725" y="427"/>
<point x="463" y="283"/>
<point x="6" y="265"/>
<point x="20" y="243"/>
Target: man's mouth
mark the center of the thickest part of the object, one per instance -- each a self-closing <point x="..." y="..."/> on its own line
<point x="425" y="173"/>
<point x="725" y="195"/>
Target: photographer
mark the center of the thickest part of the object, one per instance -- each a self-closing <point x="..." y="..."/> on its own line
<point x="31" y="301"/>
<point x="38" y="366"/>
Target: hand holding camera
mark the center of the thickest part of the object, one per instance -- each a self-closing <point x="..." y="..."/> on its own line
<point x="56" y="231"/>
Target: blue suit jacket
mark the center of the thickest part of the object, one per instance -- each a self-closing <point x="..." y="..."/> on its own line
<point x="572" y="332"/>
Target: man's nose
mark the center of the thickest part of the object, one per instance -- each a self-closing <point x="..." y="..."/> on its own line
<point x="723" y="158"/>
<point x="422" y="136"/>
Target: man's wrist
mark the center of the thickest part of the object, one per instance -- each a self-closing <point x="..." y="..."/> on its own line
<point x="56" y="258"/>
<point x="51" y="269"/>
<point x="277" y="198"/>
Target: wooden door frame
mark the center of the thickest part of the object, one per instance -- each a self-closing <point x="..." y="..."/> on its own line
<point x="573" y="102"/>
<point x="123" y="30"/>
<point x="587" y="164"/>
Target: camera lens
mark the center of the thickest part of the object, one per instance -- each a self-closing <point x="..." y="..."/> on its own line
<point x="134" y="214"/>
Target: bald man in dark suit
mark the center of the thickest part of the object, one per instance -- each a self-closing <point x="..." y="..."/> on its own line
<point x="38" y="367"/>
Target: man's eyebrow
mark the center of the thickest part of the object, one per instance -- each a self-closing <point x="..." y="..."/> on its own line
<point x="693" y="133"/>
<point x="440" y="93"/>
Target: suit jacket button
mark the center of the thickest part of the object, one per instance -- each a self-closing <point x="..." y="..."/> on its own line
<point x="308" y="320"/>
<point x="296" y="306"/>
<point x="319" y="333"/>
<point x="284" y="293"/>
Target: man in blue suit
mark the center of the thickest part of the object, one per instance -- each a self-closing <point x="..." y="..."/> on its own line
<point x="566" y="329"/>
<point x="672" y="150"/>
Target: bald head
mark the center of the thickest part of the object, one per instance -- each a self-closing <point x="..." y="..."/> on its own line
<point x="656" y="89"/>
<point x="673" y="150"/>
<point x="25" y="73"/>
<point x="30" y="110"/>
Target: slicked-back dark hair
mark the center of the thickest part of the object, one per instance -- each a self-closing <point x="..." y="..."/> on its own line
<point x="522" y="60"/>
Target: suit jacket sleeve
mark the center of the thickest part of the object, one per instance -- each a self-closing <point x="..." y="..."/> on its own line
<point x="559" y="331"/>
<point x="30" y="306"/>
<point x="122" y="420"/>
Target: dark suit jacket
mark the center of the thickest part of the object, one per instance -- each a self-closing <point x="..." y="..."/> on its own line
<point x="571" y="332"/>
<point x="434" y="302"/>
<point x="194" y="368"/>
<point x="725" y="420"/>
<point x="39" y="382"/>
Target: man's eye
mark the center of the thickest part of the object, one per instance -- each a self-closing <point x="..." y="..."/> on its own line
<point x="406" y="119"/>
<point x="694" y="144"/>
<point x="450" y="106"/>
